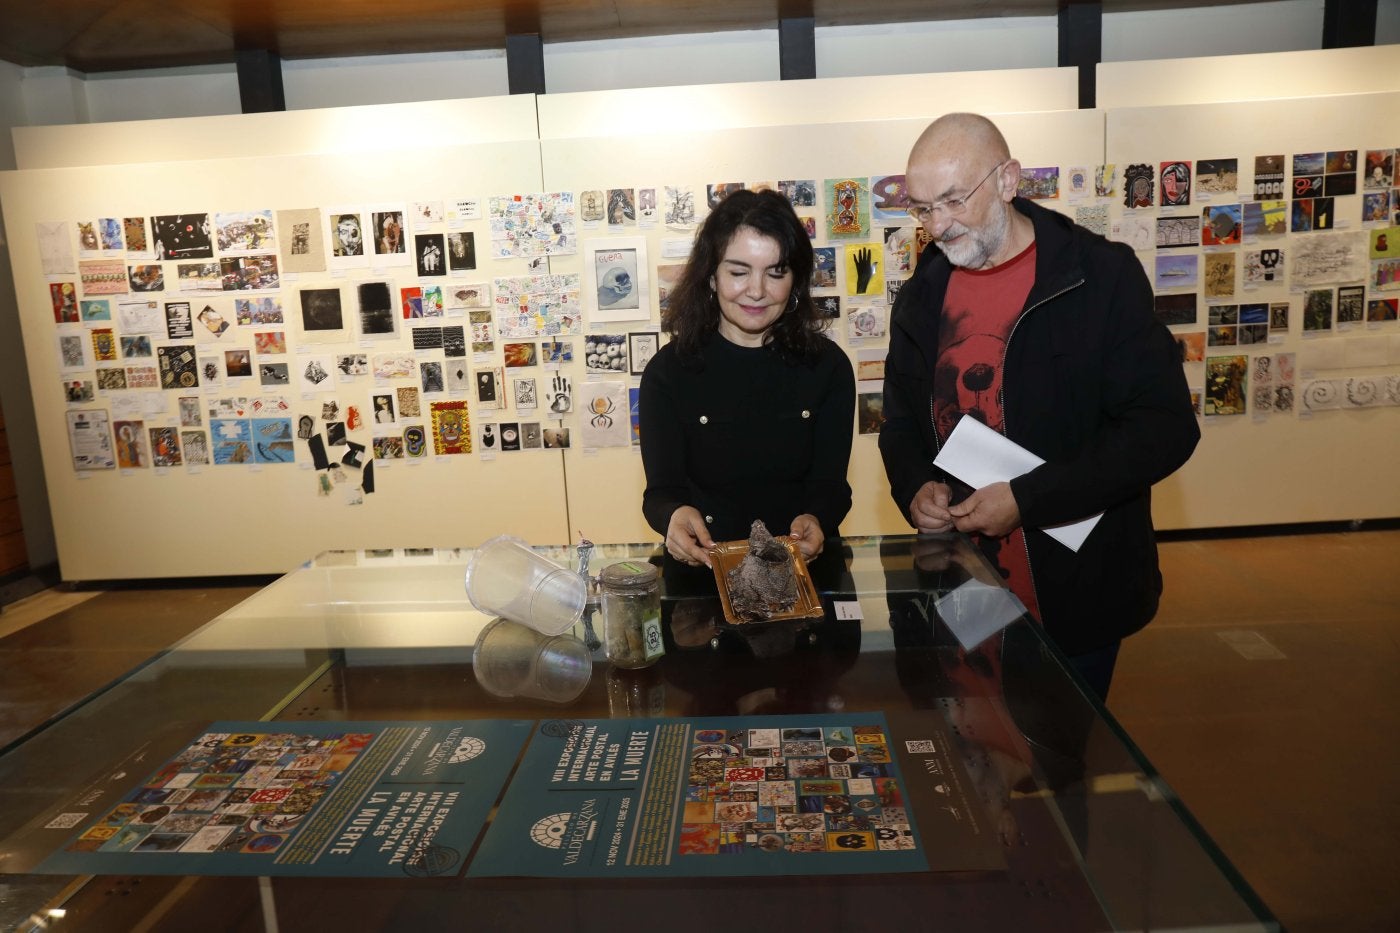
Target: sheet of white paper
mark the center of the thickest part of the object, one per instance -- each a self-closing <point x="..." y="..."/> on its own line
<point x="979" y="456"/>
<point x="975" y="611"/>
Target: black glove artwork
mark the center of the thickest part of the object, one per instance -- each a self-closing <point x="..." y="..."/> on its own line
<point x="864" y="269"/>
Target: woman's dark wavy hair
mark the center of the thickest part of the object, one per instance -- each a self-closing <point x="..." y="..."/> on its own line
<point x="692" y="312"/>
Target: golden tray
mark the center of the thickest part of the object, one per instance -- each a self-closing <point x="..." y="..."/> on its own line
<point x="726" y="555"/>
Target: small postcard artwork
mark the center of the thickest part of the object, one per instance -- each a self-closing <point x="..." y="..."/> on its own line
<point x="646" y="209"/>
<point x="1377" y="207"/>
<point x="1221" y="225"/>
<point x="1191" y="346"/>
<point x="135" y="345"/>
<point x="1219" y="275"/>
<point x="1268" y="177"/>
<point x="454" y="340"/>
<point x="1351" y="304"/>
<point x="179" y="369"/>
<point x="1278" y="317"/>
<point x="678" y="208"/>
<point x="1385" y="243"/>
<point x="483" y="332"/>
<point x="134" y="233"/>
<point x="592" y="206"/>
<point x="427" y="338"/>
<point x="824" y="267"/>
<point x="865" y="321"/>
<point x="258" y="311"/>
<point x="520" y="354"/>
<point x="376" y="303"/>
<point x="104" y="344"/>
<point x="1176" y="308"/>
<point x="90" y="440"/>
<point x="1308" y="171"/>
<point x="431" y="378"/>
<point x="273" y="440"/>
<point x="64" y="299"/>
<point x="1227" y="382"/>
<point x="1105" y="180"/>
<point x="245" y="231"/>
<point x="103" y="277"/>
<point x="430" y="253"/>
<point x="250" y="273"/>
<point x="315" y="373"/>
<point x="531" y="437"/>
<point x="828" y="306"/>
<point x="415" y="441"/>
<point x="800" y="192"/>
<point x="146" y="277"/>
<point x="490" y="388"/>
<point x="165" y="447"/>
<point x="132" y="452"/>
<point x="1139" y="185"/>
<point x="1217" y="176"/>
<point x="641" y="347"/>
<point x="847" y="207"/>
<point x="668" y="276"/>
<point x="622" y="207"/>
<point x="238" y="363"/>
<point x="467" y="295"/>
<point x="870" y="412"/>
<point x="899" y="250"/>
<point x="615" y="278"/>
<point x="604" y="420"/>
<point x="889" y="198"/>
<point x="199" y="277"/>
<point x="388" y="232"/>
<point x="182" y="236"/>
<point x="1175" y="271"/>
<point x="1076" y="182"/>
<point x="141" y="377"/>
<point x="556" y="437"/>
<point x="1039" y="184"/>
<point x="321" y="311"/>
<point x="1263" y="267"/>
<point x="411" y="301"/>
<point x="719" y="190"/>
<point x="559" y="394"/>
<point x="274" y="374"/>
<point x="76" y="391"/>
<point x="1381" y="309"/>
<point x="302" y="244"/>
<point x="1264" y="218"/>
<point x="605" y="353"/>
<point x="1317" y="310"/>
<point x="1179" y="231"/>
<point x="409" y="403"/>
<point x="1176" y="184"/>
<point x="195" y="446"/>
<point x="533" y="225"/>
<point x="1379" y="169"/>
<point x="451" y="425"/>
<point x="55" y="248"/>
<point x="110" y="231"/>
<point x="110" y="378"/>
<point x="1340" y="168"/>
<point x="70" y="352"/>
<point x="461" y="251"/>
<point x="556" y="351"/>
<point x="179" y="320"/>
<point x="347" y="235"/>
<point x="88" y="241"/>
<point x="525" y="393"/>
<point x="864" y="269"/>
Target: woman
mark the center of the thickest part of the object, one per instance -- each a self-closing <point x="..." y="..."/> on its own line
<point x="746" y="414"/>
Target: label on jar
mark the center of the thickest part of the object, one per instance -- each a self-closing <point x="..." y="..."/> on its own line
<point x="651" y="636"/>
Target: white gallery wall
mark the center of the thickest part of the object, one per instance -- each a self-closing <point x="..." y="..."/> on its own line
<point x="52" y="96"/>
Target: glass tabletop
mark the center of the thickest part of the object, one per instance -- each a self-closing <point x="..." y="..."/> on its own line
<point x="1047" y="816"/>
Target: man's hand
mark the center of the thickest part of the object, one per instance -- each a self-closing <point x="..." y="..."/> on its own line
<point x="687" y="538"/>
<point x="991" y="510"/>
<point x="807" y="534"/>
<point x="928" y="512"/>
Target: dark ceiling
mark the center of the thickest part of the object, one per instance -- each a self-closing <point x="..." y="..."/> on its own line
<point x="115" y="35"/>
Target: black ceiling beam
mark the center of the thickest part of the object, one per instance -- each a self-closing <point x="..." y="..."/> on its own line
<point x="260" y="81"/>
<point x="797" y="47"/>
<point x="525" y="63"/>
<point x="1081" y="44"/>
<point x="1348" y="23"/>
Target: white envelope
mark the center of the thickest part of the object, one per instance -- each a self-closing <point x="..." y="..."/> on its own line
<point x="979" y="456"/>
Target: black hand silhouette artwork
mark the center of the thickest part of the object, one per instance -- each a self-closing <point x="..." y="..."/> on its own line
<point x="864" y="270"/>
<point x="559" y="400"/>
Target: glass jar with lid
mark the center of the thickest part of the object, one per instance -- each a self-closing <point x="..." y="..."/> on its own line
<point x="632" y="613"/>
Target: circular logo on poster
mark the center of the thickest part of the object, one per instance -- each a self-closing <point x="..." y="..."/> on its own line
<point x="467" y="749"/>
<point x="549" y="832"/>
<point x="429" y="861"/>
<point x="559" y="728"/>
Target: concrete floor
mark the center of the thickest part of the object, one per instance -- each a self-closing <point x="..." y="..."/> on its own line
<point x="1265" y="693"/>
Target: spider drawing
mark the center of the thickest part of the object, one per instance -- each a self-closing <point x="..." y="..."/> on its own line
<point x="602" y="408"/>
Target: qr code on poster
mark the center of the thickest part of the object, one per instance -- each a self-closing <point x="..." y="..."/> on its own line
<point x="920" y="746"/>
<point x="65" y="821"/>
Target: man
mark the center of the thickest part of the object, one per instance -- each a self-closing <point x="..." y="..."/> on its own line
<point x="1045" y="332"/>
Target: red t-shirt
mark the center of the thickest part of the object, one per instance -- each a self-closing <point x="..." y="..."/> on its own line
<point x="979" y="311"/>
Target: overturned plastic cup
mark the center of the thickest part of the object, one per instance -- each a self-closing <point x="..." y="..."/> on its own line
<point x="513" y="660"/>
<point x="506" y="578"/>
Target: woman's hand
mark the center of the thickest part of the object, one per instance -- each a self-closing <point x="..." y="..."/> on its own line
<point x="687" y="538"/>
<point x="807" y="533"/>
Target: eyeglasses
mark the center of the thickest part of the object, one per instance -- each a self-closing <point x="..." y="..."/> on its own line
<point x="953" y="207"/>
